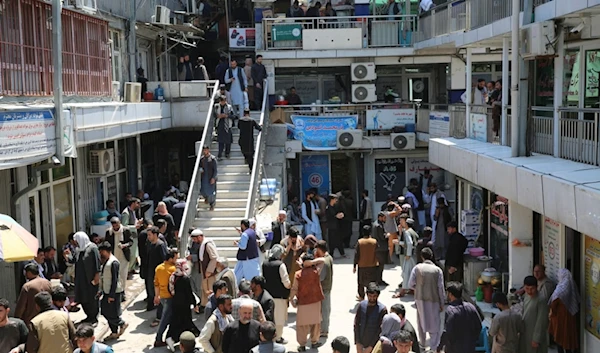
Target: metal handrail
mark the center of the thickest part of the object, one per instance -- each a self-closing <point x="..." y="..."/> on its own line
<point x="191" y="204"/>
<point x="259" y="155"/>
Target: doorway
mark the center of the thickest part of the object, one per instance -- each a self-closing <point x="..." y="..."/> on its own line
<point x="40" y="217"/>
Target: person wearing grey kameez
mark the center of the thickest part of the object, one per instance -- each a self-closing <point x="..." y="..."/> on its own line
<point x="87" y="276"/>
<point x="410" y="238"/>
<point x="534" y="338"/>
<point x="236" y="78"/>
<point x="192" y="255"/>
<point x="223" y="114"/>
<point x="208" y="177"/>
<point x="506" y="326"/>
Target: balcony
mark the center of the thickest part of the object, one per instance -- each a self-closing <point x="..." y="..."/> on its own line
<point x="340" y="36"/>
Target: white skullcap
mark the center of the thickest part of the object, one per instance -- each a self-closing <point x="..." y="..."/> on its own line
<point x="252" y="221"/>
<point x="196" y="232"/>
<point x="282" y="212"/>
<point x="406" y="205"/>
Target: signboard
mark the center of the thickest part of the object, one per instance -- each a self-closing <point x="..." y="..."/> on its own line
<point x="242" y="37"/>
<point x="478" y="128"/>
<point x="286" y="32"/>
<point x="315" y="173"/>
<point x="29" y="136"/>
<point x="551" y="247"/>
<point x="390" y="176"/>
<point x="439" y="124"/>
<point x="319" y="133"/>
<point x="386" y="119"/>
<point x="421" y="166"/>
<point x="592" y="286"/>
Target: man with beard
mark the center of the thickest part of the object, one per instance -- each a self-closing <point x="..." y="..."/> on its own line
<point x="211" y="336"/>
<point x="366" y="262"/>
<point x="381" y="253"/>
<point x="224" y="115"/>
<point x="120" y="239"/>
<point x="112" y="291"/>
<point x="333" y="226"/>
<point x="368" y="319"/>
<point x="280" y="228"/>
<point x="208" y="176"/>
<point x="242" y="335"/>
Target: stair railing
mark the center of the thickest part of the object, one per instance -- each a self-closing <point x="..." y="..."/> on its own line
<point x="259" y="155"/>
<point x="191" y="204"/>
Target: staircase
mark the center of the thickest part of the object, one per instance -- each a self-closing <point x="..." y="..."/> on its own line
<point x="233" y="187"/>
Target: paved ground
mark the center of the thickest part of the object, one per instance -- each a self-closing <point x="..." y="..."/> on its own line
<point x="140" y="336"/>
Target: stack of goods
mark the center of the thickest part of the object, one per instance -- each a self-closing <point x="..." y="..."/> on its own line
<point x="470" y="225"/>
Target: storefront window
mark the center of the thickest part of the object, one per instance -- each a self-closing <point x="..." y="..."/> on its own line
<point x="592" y="286"/>
<point x="63" y="211"/>
<point x="592" y="71"/>
<point x="62" y="172"/>
<point x="123" y="188"/>
<point x="499" y="232"/>
<point x="544" y="82"/>
<point x="571" y="78"/>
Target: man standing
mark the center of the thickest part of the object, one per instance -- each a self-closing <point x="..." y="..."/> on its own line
<point x="326" y="284"/>
<point x="163" y="296"/>
<point x="225" y="274"/>
<point x="192" y="256"/>
<point x="463" y="324"/>
<point x="208" y="177"/>
<point x="219" y="288"/>
<point x="238" y="83"/>
<point x="184" y="69"/>
<point x="112" y="291"/>
<point x="410" y="242"/>
<point x="278" y="284"/>
<point x="307" y="295"/>
<point x="120" y="239"/>
<point x="50" y="330"/>
<point x="87" y="276"/>
<point x="211" y="336"/>
<point x="506" y="326"/>
<point x="26" y="309"/>
<point x="334" y="215"/>
<point x="455" y="254"/>
<point x="200" y="72"/>
<point x="245" y="297"/>
<point x="366" y="261"/>
<point x="157" y="253"/>
<point x="130" y="221"/>
<point x="293" y="245"/>
<point x="267" y="336"/>
<point x="403" y="342"/>
<point x="207" y="259"/>
<point x="366" y="209"/>
<point x="534" y="338"/>
<point x="391" y="228"/>
<point x="246" y="139"/>
<point x="259" y="75"/>
<point x="13" y="331"/>
<point x="279" y="228"/>
<point x="368" y="319"/>
<point x="381" y="253"/>
<point x="434" y="195"/>
<point x="224" y="115"/>
<point x="241" y="335"/>
<point x="393" y="322"/>
<point x="544" y="284"/>
<point x="248" y="264"/>
<point x="427" y="280"/>
<point x="261" y="295"/>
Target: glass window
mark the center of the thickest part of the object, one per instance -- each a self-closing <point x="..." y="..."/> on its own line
<point x="63" y="211"/>
<point x="499" y="232"/>
<point x="571" y="78"/>
<point x="62" y="172"/>
<point x="121" y="154"/>
<point x="111" y="188"/>
<point x="544" y="82"/>
<point x="308" y="89"/>
<point x="592" y="71"/>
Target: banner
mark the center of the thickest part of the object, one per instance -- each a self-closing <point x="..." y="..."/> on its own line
<point x="386" y="119"/>
<point x="287" y="32"/>
<point x="390" y="176"/>
<point x="592" y="286"/>
<point x="439" y="124"/>
<point x="242" y="37"/>
<point x="478" y="128"/>
<point x="315" y="173"/>
<point x="319" y="133"/>
<point x="551" y="247"/>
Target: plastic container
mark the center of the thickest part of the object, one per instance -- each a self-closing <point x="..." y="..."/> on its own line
<point x="475" y="252"/>
<point x="159" y="94"/>
<point x="271" y="183"/>
<point x="479" y="294"/>
<point x="410" y="127"/>
<point x="100" y="217"/>
<point x="148" y="96"/>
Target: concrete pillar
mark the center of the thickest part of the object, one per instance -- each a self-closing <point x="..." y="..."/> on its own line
<point x="457" y="74"/>
<point x="469" y="83"/>
<point x="505" y="93"/>
<point x="520" y="259"/>
<point x="559" y="67"/>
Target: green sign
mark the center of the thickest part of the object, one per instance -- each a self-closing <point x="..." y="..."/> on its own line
<point x="287" y="32"/>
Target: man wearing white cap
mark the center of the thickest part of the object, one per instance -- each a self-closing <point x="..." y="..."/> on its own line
<point x="260" y="240"/>
<point x="280" y="228"/>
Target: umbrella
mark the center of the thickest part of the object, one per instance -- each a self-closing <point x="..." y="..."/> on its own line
<point x="16" y="243"/>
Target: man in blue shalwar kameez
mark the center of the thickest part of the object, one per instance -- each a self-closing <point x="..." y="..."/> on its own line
<point x="248" y="265"/>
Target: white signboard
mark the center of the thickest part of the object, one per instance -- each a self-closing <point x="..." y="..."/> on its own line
<point x="417" y="166"/>
<point x="478" y="127"/>
<point x="552" y="247"/>
<point x="386" y="119"/>
<point x="439" y="124"/>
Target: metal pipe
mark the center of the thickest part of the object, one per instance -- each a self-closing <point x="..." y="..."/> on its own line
<point x="57" y="78"/>
<point x="514" y="116"/>
<point x="558" y="91"/>
<point x="469" y="87"/>
<point x="131" y="41"/>
<point x="138" y="151"/>
<point x="505" y="80"/>
<point x="524" y="94"/>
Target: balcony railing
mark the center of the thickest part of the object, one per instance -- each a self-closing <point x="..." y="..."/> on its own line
<point x="374" y="31"/>
<point x="543" y="130"/>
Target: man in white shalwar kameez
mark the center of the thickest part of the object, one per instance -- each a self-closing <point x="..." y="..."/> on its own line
<point x="427" y="280"/>
<point x="309" y="214"/>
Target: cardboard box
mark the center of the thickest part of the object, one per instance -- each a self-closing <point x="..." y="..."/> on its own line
<point x="277" y="116"/>
<point x="470" y="229"/>
<point x="469" y="217"/>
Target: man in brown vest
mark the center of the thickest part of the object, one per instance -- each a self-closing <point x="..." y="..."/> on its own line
<point x="211" y="336"/>
<point x="207" y="259"/>
<point x="309" y="294"/>
<point x="365" y="259"/>
<point x="26" y="308"/>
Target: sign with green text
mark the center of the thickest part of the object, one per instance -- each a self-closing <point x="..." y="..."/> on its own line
<point x="287" y="32"/>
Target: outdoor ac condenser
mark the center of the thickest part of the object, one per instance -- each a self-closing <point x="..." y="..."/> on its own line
<point x="403" y="141"/>
<point x="349" y="139"/>
<point x="102" y="162"/>
<point x="364" y="93"/>
<point x="363" y="72"/>
<point x="161" y="15"/>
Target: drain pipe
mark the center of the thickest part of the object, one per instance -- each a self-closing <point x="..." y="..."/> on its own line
<point x="33" y="183"/>
<point x="57" y="79"/>
<point x="514" y="114"/>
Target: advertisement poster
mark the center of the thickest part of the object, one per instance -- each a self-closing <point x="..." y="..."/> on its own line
<point x="551" y="247"/>
<point x="319" y="133"/>
<point x="386" y="119"/>
<point x="478" y="128"/>
<point x="390" y="176"/>
<point x="592" y="286"/>
<point x="421" y="166"/>
<point x="439" y="124"/>
<point x="287" y="32"/>
<point x="315" y="173"/>
<point x="499" y="232"/>
<point x="242" y="37"/>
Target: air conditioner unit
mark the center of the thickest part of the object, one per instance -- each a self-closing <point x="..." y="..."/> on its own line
<point x="539" y="36"/>
<point x="364" y="93"/>
<point x="403" y="141"/>
<point x="116" y="91"/>
<point x="133" y="92"/>
<point x="192" y="6"/>
<point x="87" y="5"/>
<point x="102" y="162"/>
<point x="349" y="139"/>
<point x="161" y="15"/>
<point x="363" y="72"/>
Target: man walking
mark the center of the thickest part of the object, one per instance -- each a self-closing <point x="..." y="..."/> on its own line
<point x="130" y="221"/>
<point x="119" y="238"/>
<point x="208" y="177"/>
<point x="366" y="262"/>
<point x="50" y="330"/>
<point x="462" y="325"/>
<point x="322" y="213"/>
<point x="381" y="253"/>
<point x="238" y="83"/>
<point x="278" y="284"/>
<point x="534" y="338"/>
<point x="246" y="297"/>
<point x="242" y="335"/>
<point x="326" y="284"/>
<point x="26" y="308"/>
<point x="112" y="291"/>
<point x="267" y="335"/>
<point x="368" y="319"/>
<point x="225" y="274"/>
<point x="427" y="281"/>
<point x="207" y="259"/>
<point x="192" y="256"/>
<point x="246" y="139"/>
<point x="308" y="295"/>
<point x="506" y="326"/>
<point x="248" y="264"/>
<point x="455" y="254"/>
<point x="224" y="115"/>
<point x="211" y="336"/>
<point x="279" y="228"/>
<point x="157" y="253"/>
<point x="87" y="276"/>
<point x="366" y="209"/>
<point x="163" y="295"/>
<point x="259" y="74"/>
<point x="393" y="322"/>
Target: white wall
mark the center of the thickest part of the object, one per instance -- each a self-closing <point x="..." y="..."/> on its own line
<point x="520" y="226"/>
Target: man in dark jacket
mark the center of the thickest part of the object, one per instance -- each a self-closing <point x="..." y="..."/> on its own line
<point x="223" y="113"/>
<point x="246" y="139"/>
<point x="259" y="74"/>
<point x="347" y="207"/>
<point x="382" y="246"/>
<point x="334" y="215"/>
<point x="462" y="324"/>
<point x="368" y="319"/>
<point x="280" y="228"/>
<point x="314" y="11"/>
<point x="156" y="255"/>
<point x="185" y="69"/>
<point x="262" y="296"/>
<point x="455" y="254"/>
<point x="222" y="68"/>
<point x="241" y="335"/>
<point x="208" y="177"/>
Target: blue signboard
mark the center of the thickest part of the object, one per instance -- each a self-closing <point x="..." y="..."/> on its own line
<point x="314" y="170"/>
<point x="319" y="133"/>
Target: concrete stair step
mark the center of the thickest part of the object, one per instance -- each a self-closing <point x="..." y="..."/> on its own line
<point x="228" y="194"/>
<point x="235" y="176"/>
<point x="203" y="222"/>
<point x="223" y="242"/>
<point x="227" y="251"/>
<point x="224" y="203"/>
<point x="222" y="232"/>
<point x="233" y="185"/>
<point x="235" y="159"/>
<point x="222" y="212"/>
